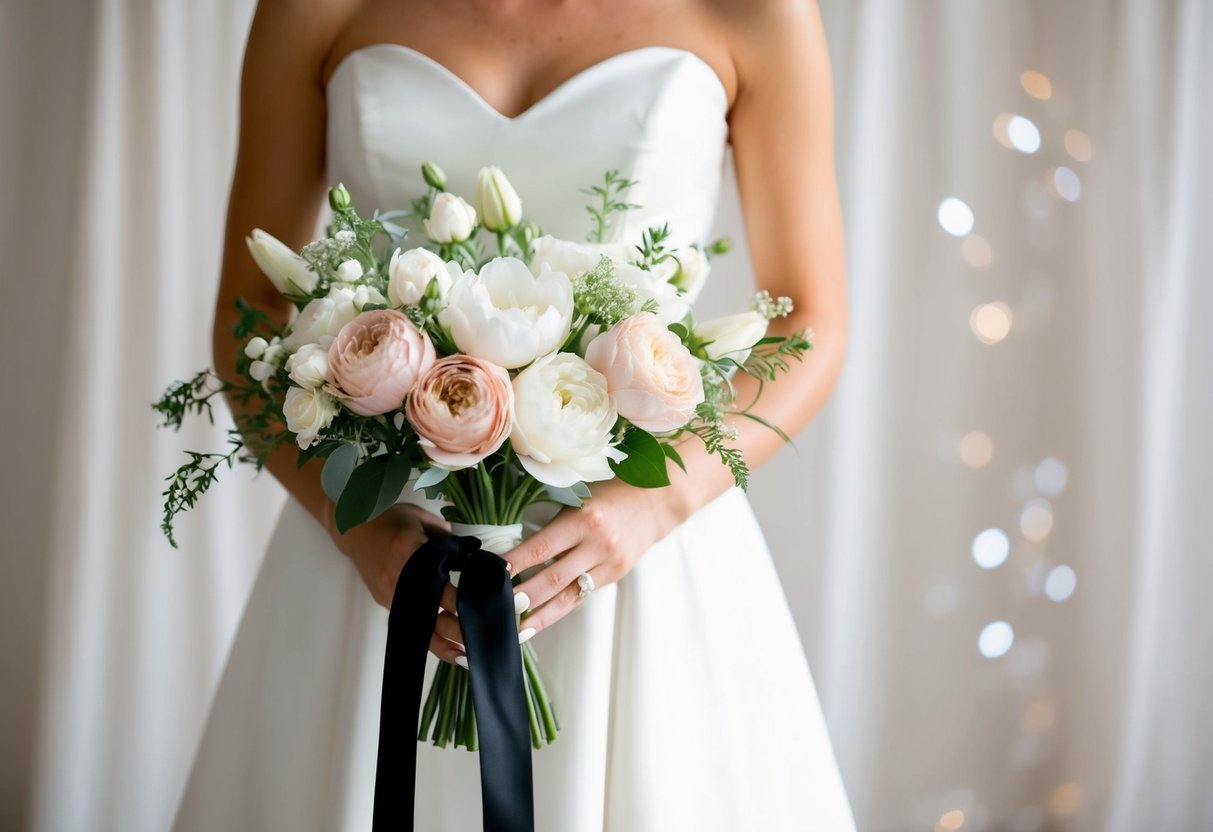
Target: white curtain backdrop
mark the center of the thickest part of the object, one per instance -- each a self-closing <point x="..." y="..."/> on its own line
<point x="1056" y="478"/>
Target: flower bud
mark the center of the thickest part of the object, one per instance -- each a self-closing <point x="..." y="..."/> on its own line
<point x="732" y="336"/>
<point x="349" y="271"/>
<point x="256" y="347"/>
<point x="433" y="175"/>
<point x="451" y="219"/>
<point x="339" y="198"/>
<point x="288" y="271"/>
<point x="260" y="370"/>
<point x="497" y="202"/>
<point x="721" y="245"/>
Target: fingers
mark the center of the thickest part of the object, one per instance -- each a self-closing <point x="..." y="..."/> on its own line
<point x="551" y="541"/>
<point x="443" y="649"/>
<point x="448" y="598"/>
<point x="560" y="605"/>
<point x="550" y="581"/>
<point x="447" y="626"/>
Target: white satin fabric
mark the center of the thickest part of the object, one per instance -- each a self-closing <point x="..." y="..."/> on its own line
<point x="683" y="694"/>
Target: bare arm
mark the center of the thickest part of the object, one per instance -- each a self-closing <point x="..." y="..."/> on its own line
<point x="781" y="127"/>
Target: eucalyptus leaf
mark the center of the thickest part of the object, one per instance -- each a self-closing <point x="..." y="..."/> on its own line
<point x="581" y="490"/>
<point x="373" y="487"/>
<point x="645" y="463"/>
<point x="564" y="496"/>
<point x="337" y="469"/>
<point x="431" y="477"/>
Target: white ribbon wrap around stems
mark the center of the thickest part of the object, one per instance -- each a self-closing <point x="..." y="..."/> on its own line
<point x="495" y="539"/>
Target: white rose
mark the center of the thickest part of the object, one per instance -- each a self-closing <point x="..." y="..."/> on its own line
<point x="508" y="316"/>
<point x="732" y="335"/>
<point x="410" y="272"/>
<point x="285" y="269"/>
<point x="367" y="294"/>
<point x="349" y="271"/>
<point x="563" y="418"/>
<point x="451" y="219"/>
<point x="307" y="413"/>
<point x="309" y="367"/>
<point x="496" y="200"/>
<point x="322" y="318"/>
<point x="693" y="269"/>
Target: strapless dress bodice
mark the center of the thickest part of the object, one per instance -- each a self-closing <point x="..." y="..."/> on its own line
<point x="656" y="114"/>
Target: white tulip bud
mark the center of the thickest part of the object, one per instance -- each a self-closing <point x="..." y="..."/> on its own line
<point x="256" y="347"/>
<point x="349" y="271"/>
<point x="260" y="370"/>
<point x="286" y="270"/>
<point x="451" y="219"/>
<point x="733" y="335"/>
<point x="496" y="200"/>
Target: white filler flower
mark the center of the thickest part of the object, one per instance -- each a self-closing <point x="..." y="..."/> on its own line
<point x="508" y="316"/>
<point x="563" y="417"/>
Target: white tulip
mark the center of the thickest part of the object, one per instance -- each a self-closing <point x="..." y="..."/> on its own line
<point x="322" y="318"/>
<point x="693" y="269"/>
<point x="349" y="271"/>
<point x="563" y="418"/>
<point x="733" y="335"/>
<point x="496" y="200"/>
<point x="309" y="367"/>
<point x="286" y="270"/>
<point x="307" y="413"/>
<point x="410" y="272"/>
<point x="451" y="219"/>
<point x="508" y="316"/>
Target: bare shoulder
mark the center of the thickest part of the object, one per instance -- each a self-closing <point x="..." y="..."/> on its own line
<point x="302" y="32"/>
<point x="763" y="35"/>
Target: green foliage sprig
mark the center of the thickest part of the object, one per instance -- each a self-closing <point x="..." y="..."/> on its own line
<point x="611" y="200"/>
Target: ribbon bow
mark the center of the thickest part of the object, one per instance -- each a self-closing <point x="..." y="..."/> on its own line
<point x="485" y="603"/>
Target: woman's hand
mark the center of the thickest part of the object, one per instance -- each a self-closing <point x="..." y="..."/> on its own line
<point x="379" y="550"/>
<point x="605" y="537"/>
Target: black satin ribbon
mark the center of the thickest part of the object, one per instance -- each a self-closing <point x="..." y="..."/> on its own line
<point x="485" y="602"/>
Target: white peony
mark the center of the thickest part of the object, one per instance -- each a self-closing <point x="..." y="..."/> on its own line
<point x="286" y="270"/>
<point x="309" y="367"/>
<point x="451" y="219"/>
<point x="307" y="413"/>
<point x="497" y="202"/>
<point x="563" y="418"/>
<point x="508" y="316"/>
<point x="410" y="272"/>
<point x="321" y="320"/>
<point x="733" y="335"/>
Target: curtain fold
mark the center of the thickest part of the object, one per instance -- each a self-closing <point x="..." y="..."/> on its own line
<point x="1080" y="434"/>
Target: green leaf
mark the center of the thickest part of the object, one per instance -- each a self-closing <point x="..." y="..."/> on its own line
<point x="669" y="451"/>
<point x="770" y="339"/>
<point x="681" y="331"/>
<point x="431" y="477"/>
<point x="316" y="449"/>
<point x="373" y="487"/>
<point x="645" y="463"/>
<point x="337" y="469"/>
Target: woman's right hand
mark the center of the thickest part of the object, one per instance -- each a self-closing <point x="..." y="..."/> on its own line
<point x="379" y="550"/>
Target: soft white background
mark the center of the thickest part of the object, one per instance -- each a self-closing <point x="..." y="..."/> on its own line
<point x="115" y="152"/>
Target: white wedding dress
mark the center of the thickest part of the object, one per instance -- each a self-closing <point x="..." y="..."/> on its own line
<point x="683" y="694"/>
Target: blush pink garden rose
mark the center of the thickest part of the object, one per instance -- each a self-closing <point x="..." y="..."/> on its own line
<point x="375" y="360"/>
<point x="462" y="408"/>
<point x="653" y="379"/>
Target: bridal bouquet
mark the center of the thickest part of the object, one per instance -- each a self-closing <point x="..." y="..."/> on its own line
<point x="490" y="380"/>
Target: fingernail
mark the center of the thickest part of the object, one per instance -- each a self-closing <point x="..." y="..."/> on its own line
<point x="509" y="567"/>
<point x="522" y="603"/>
<point x="462" y="661"/>
<point x="525" y="635"/>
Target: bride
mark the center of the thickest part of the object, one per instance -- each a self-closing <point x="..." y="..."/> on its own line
<point x="684" y="695"/>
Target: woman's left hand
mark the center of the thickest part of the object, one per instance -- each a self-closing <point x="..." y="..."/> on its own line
<point x="605" y="537"/>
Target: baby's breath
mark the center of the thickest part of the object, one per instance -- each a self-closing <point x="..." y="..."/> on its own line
<point x="770" y="308"/>
<point x="602" y="297"/>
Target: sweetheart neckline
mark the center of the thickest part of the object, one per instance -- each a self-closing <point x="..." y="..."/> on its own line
<point x="554" y="93"/>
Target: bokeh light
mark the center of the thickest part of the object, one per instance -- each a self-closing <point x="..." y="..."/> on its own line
<point x="955" y="216"/>
<point x="977" y="251"/>
<point x="1065" y="799"/>
<point x="996" y="639"/>
<point x="1078" y="145"/>
<point x="991" y="322"/>
<point x="976" y="449"/>
<point x="1036" y="84"/>
<point x="1039" y="716"/>
<point x="950" y="821"/>
<point x="1051" y="476"/>
<point x="1060" y="583"/>
<point x="1023" y="134"/>
<point x="990" y="548"/>
<point x="1036" y="520"/>
<point x="1066" y="184"/>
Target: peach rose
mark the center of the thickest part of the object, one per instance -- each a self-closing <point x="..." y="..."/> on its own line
<point x="461" y="408"/>
<point x="375" y="360"/>
<point x="652" y="377"/>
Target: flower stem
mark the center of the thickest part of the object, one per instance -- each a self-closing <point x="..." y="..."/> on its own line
<point x="541" y="695"/>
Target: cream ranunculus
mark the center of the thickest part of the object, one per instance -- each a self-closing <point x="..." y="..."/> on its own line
<point x="563" y="418"/>
<point x="507" y="315"/>
<point x="497" y="202"/>
<point x="286" y="270"/>
<point x="654" y="380"/>
<point x="451" y="219"/>
<point x="307" y="413"/>
<point x="733" y="335"/>
<point x="309" y="366"/>
<point x="462" y="408"/>
<point x="375" y="360"/>
<point x="410" y="272"/>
